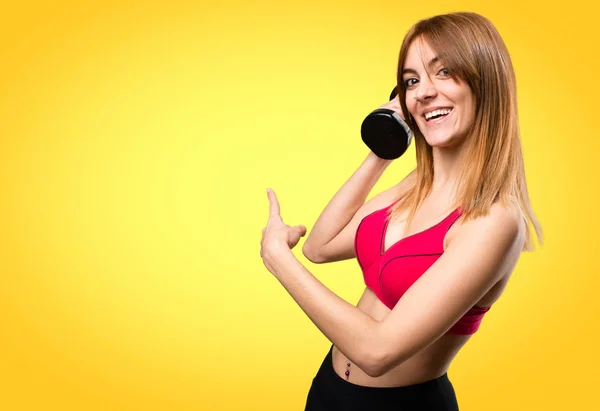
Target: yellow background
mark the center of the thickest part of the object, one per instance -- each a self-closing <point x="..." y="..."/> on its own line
<point x="137" y="140"/>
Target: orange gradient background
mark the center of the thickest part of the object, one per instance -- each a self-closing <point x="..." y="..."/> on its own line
<point x="137" y="140"/>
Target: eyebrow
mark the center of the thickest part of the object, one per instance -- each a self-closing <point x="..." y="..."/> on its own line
<point x="431" y="63"/>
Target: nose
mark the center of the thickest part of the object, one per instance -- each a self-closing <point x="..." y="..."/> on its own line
<point x="426" y="89"/>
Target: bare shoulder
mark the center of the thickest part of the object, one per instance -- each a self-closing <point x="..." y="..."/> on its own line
<point x="505" y="219"/>
<point x="499" y="235"/>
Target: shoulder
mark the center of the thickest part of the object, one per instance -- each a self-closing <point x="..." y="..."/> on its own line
<point x="504" y="219"/>
<point x="499" y="235"/>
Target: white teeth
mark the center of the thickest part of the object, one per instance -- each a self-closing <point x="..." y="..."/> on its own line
<point x="437" y="113"/>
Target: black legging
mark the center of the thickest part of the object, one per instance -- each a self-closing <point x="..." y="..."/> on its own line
<point x="330" y="392"/>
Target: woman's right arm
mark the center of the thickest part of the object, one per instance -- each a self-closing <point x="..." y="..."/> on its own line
<point x="332" y="237"/>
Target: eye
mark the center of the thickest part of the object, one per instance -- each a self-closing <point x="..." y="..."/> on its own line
<point x="444" y="71"/>
<point x="409" y="82"/>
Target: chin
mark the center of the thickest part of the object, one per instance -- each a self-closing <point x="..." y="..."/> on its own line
<point x="440" y="142"/>
<point x="444" y="141"/>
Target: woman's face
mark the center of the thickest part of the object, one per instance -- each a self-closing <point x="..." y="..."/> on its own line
<point x="443" y="108"/>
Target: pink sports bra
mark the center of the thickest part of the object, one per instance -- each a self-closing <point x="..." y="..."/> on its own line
<point x="390" y="273"/>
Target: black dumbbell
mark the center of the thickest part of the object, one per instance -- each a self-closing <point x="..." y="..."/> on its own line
<point x="385" y="133"/>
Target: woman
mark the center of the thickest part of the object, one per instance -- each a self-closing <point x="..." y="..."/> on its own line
<point x="438" y="248"/>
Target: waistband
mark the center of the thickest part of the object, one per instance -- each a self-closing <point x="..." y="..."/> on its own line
<point x="332" y="387"/>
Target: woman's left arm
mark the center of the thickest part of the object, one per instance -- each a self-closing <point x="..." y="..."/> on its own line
<point x="484" y="250"/>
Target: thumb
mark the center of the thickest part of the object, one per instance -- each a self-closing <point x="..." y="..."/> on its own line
<point x="302" y="230"/>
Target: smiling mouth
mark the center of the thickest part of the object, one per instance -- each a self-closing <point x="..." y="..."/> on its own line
<point x="437" y="116"/>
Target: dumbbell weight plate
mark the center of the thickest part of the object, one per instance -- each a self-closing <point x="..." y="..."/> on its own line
<point x="385" y="133"/>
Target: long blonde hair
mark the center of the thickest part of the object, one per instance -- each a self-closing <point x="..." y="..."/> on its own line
<point x="471" y="48"/>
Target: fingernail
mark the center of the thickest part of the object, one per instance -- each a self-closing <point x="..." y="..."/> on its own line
<point x="268" y="190"/>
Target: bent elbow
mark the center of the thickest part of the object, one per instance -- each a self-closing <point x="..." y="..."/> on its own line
<point x="375" y="370"/>
<point x="311" y="255"/>
<point x="374" y="365"/>
<point x="377" y="364"/>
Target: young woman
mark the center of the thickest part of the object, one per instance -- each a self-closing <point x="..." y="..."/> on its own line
<point x="438" y="248"/>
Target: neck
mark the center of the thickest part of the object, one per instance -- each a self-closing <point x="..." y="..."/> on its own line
<point x="447" y="162"/>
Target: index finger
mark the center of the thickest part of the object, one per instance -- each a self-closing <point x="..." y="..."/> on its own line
<point x="273" y="204"/>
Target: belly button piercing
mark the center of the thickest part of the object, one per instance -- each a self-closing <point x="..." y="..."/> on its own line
<point x="347" y="371"/>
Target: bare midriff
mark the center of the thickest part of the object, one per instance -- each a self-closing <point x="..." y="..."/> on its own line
<point x="430" y="363"/>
